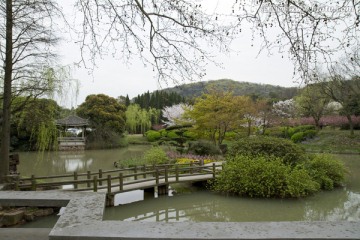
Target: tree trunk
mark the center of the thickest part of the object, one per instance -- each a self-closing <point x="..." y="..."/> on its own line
<point x="317" y="123"/>
<point x="351" y="125"/>
<point x="5" y="133"/>
<point x="249" y="128"/>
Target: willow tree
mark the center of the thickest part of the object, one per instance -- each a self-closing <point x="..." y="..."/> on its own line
<point x="28" y="38"/>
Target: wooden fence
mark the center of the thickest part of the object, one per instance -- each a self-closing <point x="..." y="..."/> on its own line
<point x="116" y="180"/>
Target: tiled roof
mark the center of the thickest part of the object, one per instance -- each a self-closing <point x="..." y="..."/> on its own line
<point x="72" y="121"/>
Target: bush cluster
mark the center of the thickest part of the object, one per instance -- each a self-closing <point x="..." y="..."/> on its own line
<point x="270" y="167"/>
<point x="300" y="133"/>
<point x="326" y="170"/>
<point x="203" y="148"/>
<point x="263" y="177"/>
<point x="302" y="136"/>
<point x="155" y="155"/>
<point x="152" y="135"/>
<point x="279" y="147"/>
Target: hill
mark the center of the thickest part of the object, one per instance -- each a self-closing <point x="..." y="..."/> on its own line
<point x="239" y="88"/>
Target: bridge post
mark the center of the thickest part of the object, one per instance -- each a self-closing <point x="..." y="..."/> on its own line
<point x="177" y="173"/>
<point x="153" y="168"/>
<point x="88" y="178"/>
<point x="95" y="183"/>
<point x="33" y="183"/>
<point x="166" y="175"/>
<point x="75" y="179"/>
<point x="110" y="199"/>
<point x="191" y="166"/>
<point x="163" y="189"/>
<point x="16" y="188"/>
<point x="157" y="176"/>
<point x="135" y="171"/>
<point x="121" y="182"/>
<point x="144" y="176"/>
<point x="109" y="183"/>
<point x="100" y="177"/>
<point x="213" y="169"/>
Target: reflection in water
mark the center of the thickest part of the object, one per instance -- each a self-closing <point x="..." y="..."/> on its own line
<point x="342" y="204"/>
<point x="57" y="163"/>
<point x="202" y="206"/>
<point x="346" y="208"/>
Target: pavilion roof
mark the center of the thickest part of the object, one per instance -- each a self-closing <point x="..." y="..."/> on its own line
<point x="72" y="121"/>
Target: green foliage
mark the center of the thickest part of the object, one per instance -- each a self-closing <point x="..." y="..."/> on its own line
<point x="103" y="138"/>
<point x="172" y="134"/>
<point x="158" y="99"/>
<point x="155" y="155"/>
<point x="328" y="171"/>
<point x="137" y="139"/>
<point x="301" y="133"/>
<point x="34" y="125"/>
<point x="107" y="118"/>
<point x="217" y="112"/>
<point x="203" y="148"/>
<point x="299" y="183"/>
<point x="290" y="131"/>
<point x="298" y="137"/>
<point x="310" y="133"/>
<point x="259" y="176"/>
<point x="104" y="113"/>
<point x="152" y="135"/>
<point x="268" y="146"/>
<point x="139" y="120"/>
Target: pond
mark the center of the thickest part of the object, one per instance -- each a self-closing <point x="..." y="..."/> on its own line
<point x="190" y="203"/>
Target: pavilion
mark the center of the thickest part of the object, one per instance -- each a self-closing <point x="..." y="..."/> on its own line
<point x="69" y="133"/>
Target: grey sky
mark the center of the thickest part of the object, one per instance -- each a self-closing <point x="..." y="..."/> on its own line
<point x="114" y="77"/>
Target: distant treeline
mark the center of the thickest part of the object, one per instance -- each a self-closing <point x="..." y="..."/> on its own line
<point x="158" y="99"/>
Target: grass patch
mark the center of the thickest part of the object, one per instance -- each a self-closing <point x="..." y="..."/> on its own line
<point x="137" y="139"/>
<point x="334" y="141"/>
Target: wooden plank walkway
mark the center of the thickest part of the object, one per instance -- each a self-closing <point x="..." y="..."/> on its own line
<point x="123" y="180"/>
<point x="130" y="186"/>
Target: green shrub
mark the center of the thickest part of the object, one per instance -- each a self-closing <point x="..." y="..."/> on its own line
<point x="256" y="176"/>
<point x="172" y="134"/>
<point x="282" y="148"/>
<point x="155" y="155"/>
<point x="288" y="132"/>
<point x="190" y="135"/>
<point x="298" y="137"/>
<point x="152" y="135"/>
<point x="203" y="148"/>
<point x="275" y="132"/>
<point x="328" y="171"/>
<point x="163" y="132"/>
<point x="300" y="183"/>
<point x="310" y="134"/>
<point x="230" y="135"/>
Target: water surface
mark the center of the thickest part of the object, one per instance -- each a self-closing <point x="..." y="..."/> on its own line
<point x="198" y="205"/>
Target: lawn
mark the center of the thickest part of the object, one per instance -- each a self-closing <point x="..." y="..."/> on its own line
<point x="334" y="141"/>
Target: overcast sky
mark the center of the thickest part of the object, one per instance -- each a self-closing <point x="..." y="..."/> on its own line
<point x="114" y="78"/>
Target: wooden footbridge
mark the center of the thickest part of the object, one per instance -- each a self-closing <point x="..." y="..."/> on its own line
<point x="146" y="177"/>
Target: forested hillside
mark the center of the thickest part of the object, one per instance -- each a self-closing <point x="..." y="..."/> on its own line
<point x="239" y="88"/>
<point x="184" y="93"/>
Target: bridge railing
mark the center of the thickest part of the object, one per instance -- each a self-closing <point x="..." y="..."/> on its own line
<point x="117" y="178"/>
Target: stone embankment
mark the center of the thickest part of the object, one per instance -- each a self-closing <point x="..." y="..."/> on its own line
<point x="15" y="216"/>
